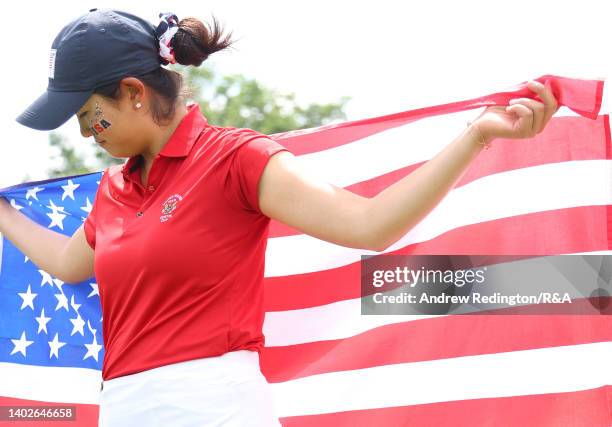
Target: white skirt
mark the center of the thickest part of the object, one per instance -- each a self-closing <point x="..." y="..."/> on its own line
<point x="228" y="390"/>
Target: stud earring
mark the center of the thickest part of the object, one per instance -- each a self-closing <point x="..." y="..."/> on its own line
<point x="138" y="105"/>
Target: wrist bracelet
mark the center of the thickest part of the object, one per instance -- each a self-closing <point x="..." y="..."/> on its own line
<point x="482" y="141"/>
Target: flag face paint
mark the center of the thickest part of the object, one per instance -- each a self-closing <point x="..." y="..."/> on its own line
<point x="98" y="124"/>
<point x="548" y="195"/>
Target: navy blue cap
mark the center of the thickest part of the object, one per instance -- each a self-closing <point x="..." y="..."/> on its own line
<point x="98" y="48"/>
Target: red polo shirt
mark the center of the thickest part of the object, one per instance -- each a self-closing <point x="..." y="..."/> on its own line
<point x="180" y="262"/>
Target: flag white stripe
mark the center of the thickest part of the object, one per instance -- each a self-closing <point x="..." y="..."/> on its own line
<point x="524" y="191"/>
<point x="50" y="384"/>
<point x="528" y="372"/>
<point x="333" y="321"/>
<point x="388" y="150"/>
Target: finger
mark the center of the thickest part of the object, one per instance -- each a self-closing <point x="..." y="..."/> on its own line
<point x="524" y="125"/>
<point x="538" y="111"/>
<point x="555" y="104"/>
<point x="545" y="93"/>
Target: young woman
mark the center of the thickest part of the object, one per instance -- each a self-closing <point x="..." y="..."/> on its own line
<point x="177" y="234"/>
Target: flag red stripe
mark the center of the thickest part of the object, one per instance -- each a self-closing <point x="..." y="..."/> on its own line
<point x="588" y="408"/>
<point x="540" y="233"/>
<point x="455" y="336"/>
<point x="553" y="146"/>
<point x="582" y="96"/>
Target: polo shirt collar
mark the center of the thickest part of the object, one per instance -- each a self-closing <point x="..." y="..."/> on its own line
<point x="180" y="142"/>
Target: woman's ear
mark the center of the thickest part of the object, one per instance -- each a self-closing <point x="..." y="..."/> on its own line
<point x="132" y="90"/>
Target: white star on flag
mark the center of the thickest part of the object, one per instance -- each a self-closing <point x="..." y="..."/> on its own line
<point x="74" y="304"/>
<point x="62" y="301"/>
<point x="28" y="299"/>
<point x="55" y="208"/>
<point x="91" y="329"/>
<point x="94" y="290"/>
<point x="87" y="207"/>
<point x="57" y="219"/>
<point x="42" y="321"/>
<point x="92" y="349"/>
<point x="21" y="344"/>
<point x="32" y="192"/>
<point x="15" y="205"/>
<point x="57" y="215"/>
<point x="55" y="345"/>
<point x="77" y="325"/>
<point x="59" y="284"/>
<point x="69" y="189"/>
<point x="46" y="278"/>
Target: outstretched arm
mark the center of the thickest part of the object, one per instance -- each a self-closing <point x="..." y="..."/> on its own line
<point x="290" y="194"/>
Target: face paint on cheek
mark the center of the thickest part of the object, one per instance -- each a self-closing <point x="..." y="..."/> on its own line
<point x="98" y="124"/>
<point x="97" y="113"/>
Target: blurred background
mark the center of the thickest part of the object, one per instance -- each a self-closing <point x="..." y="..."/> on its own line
<point x="302" y="64"/>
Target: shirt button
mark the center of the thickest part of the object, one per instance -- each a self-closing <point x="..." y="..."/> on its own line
<point x="151" y="188"/>
<point x="139" y="213"/>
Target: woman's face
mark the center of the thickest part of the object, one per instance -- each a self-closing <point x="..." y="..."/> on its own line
<point x="116" y="125"/>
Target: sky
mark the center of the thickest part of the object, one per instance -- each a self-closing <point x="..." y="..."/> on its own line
<point x="388" y="56"/>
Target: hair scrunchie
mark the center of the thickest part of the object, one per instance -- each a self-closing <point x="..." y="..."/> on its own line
<point x="165" y="31"/>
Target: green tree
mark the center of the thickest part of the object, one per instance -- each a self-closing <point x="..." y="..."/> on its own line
<point x="231" y="101"/>
<point x="241" y="102"/>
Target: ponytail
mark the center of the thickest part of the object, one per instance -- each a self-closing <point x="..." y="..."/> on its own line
<point x="194" y="41"/>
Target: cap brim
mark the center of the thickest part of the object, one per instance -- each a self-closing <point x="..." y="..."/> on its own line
<point x="52" y="109"/>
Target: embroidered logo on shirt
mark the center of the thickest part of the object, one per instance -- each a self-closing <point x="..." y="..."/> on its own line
<point x="169" y="206"/>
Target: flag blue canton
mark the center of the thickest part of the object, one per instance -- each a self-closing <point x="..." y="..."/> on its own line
<point x="44" y="321"/>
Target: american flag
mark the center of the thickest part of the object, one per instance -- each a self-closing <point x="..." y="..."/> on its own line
<point x="50" y="332"/>
<point x="327" y="363"/>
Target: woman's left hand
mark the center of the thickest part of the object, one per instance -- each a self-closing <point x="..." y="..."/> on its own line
<point x="522" y="118"/>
